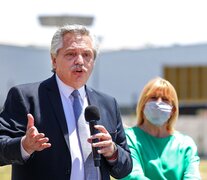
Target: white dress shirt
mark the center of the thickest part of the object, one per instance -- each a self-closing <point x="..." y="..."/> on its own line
<point x="75" y="150"/>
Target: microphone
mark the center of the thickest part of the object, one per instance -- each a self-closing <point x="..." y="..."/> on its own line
<point x="92" y="116"/>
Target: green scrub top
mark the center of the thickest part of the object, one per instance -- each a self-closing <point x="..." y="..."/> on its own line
<point x="171" y="158"/>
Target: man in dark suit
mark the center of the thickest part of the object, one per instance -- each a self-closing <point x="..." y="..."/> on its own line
<point x="39" y="133"/>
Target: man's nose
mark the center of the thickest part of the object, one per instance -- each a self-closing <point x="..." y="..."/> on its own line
<point x="79" y="59"/>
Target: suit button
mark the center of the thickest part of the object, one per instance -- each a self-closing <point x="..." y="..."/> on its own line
<point x="67" y="171"/>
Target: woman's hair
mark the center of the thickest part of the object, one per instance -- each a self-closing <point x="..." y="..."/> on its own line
<point x="57" y="40"/>
<point x="167" y="90"/>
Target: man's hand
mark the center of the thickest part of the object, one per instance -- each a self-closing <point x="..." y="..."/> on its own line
<point x="33" y="140"/>
<point x="106" y="145"/>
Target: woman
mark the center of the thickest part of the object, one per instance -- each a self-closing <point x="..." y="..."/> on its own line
<point x="158" y="151"/>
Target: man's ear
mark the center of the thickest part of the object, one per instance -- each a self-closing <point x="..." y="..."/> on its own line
<point x="53" y="60"/>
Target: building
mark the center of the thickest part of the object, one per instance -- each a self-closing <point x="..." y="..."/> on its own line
<point x="19" y="65"/>
<point x="121" y="73"/>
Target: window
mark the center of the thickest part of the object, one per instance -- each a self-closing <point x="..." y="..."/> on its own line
<point x="190" y="83"/>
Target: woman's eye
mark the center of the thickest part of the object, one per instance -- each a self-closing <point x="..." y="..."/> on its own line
<point x="153" y="98"/>
<point x="165" y="99"/>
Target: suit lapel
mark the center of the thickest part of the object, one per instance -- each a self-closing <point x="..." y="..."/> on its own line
<point x="93" y="100"/>
<point x="55" y="101"/>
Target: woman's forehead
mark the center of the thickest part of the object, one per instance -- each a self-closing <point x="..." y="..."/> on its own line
<point x="162" y="92"/>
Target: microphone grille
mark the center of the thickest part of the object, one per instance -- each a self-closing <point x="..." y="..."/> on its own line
<point x="92" y="113"/>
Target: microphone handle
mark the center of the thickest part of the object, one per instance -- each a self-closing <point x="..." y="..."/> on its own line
<point x="96" y="155"/>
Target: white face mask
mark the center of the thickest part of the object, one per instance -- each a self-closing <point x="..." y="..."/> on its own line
<point x="157" y="113"/>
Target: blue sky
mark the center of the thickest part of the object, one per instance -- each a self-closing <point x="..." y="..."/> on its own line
<point x="120" y="23"/>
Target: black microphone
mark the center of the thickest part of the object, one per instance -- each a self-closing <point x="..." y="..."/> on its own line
<point x="92" y="116"/>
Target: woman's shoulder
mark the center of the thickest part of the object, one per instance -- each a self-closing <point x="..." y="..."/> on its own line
<point x="132" y="131"/>
<point x="183" y="139"/>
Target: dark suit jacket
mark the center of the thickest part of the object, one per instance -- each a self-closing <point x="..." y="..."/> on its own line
<point x="43" y="101"/>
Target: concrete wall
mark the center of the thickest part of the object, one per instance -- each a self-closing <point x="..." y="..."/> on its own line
<point x="19" y="65"/>
<point x="121" y="74"/>
<point x="124" y="73"/>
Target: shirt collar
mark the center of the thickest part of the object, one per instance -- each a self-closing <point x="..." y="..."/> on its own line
<point x="67" y="90"/>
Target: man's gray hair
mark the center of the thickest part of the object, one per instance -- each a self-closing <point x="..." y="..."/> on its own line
<point x="57" y="40"/>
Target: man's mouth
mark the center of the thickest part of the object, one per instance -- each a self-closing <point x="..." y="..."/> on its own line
<point x="79" y="70"/>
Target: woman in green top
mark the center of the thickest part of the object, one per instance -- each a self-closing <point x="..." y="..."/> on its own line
<point x="158" y="151"/>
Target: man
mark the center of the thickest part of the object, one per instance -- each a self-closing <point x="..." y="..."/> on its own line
<point x="40" y="134"/>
